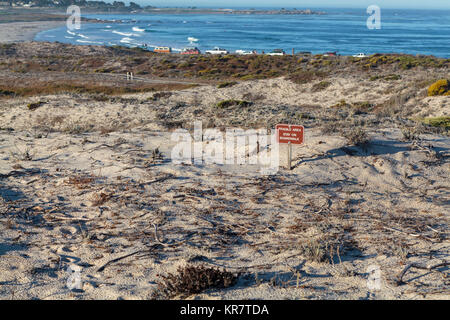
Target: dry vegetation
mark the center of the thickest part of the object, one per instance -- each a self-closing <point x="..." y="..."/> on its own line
<point x="8" y="15"/>
<point x="193" y="279"/>
<point x="112" y="88"/>
<point x="48" y="58"/>
<point x="86" y="176"/>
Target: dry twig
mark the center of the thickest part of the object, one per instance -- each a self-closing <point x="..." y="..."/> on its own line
<point x="419" y="266"/>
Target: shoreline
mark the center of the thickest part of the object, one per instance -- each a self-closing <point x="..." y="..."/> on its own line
<point x="13" y="32"/>
<point x="22" y="31"/>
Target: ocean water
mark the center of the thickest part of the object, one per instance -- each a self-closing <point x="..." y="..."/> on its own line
<point x="342" y="30"/>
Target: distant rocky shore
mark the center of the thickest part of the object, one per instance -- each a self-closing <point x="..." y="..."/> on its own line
<point x="233" y="11"/>
<point x="282" y="11"/>
<point x="53" y="6"/>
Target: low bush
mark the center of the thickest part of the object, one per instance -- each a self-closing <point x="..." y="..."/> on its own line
<point x="322" y="85"/>
<point x="226" y="84"/>
<point x="439" y="88"/>
<point x="35" y="105"/>
<point x="357" y="137"/>
<point x="229" y="103"/>
<point x="443" y="122"/>
<point x="193" y="280"/>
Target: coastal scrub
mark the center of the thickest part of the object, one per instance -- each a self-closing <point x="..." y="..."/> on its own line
<point x="439" y="88"/>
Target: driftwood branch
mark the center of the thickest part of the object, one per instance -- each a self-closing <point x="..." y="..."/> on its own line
<point x="166" y="177"/>
<point x="419" y="266"/>
<point x="118" y="259"/>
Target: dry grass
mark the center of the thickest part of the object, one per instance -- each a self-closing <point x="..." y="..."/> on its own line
<point x="47" y="88"/>
<point x="80" y="182"/>
<point x="100" y="198"/>
<point x="356" y="136"/>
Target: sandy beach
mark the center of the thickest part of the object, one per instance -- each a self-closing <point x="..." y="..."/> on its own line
<point x="25" y="31"/>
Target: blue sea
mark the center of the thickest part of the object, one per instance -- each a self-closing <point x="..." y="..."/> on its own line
<point x="342" y="30"/>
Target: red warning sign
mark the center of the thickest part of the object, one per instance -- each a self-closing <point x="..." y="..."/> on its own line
<point x="289" y="133"/>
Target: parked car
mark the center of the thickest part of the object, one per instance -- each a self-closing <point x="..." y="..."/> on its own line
<point x="162" y="50"/>
<point x="360" y="55"/>
<point x="277" y="52"/>
<point x="245" y="52"/>
<point x="217" y="50"/>
<point x="192" y="50"/>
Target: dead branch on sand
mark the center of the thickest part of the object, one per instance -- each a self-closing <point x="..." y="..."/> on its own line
<point x="419" y="266"/>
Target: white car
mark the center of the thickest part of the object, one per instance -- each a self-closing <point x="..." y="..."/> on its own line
<point x="217" y="50"/>
<point x="277" y="52"/>
<point x="244" y="52"/>
<point x="360" y="55"/>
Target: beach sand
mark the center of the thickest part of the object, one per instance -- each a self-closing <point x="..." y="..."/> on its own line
<point x="25" y="31"/>
<point x="86" y="181"/>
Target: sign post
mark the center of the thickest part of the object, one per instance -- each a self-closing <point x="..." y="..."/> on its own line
<point x="289" y="155"/>
<point x="290" y="134"/>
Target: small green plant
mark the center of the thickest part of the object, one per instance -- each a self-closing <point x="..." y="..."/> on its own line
<point x="226" y="84"/>
<point x="443" y="122"/>
<point x="159" y="95"/>
<point x="249" y="77"/>
<point x="341" y="104"/>
<point x="322" y="85"/>
<point x="35" y="105"/>
<point x="362" y="107"/>
<point x="232" y="102"/>
<point x="392" y="77"/>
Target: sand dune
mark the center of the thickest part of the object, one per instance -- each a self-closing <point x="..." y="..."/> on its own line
<point x="86" y="181"/>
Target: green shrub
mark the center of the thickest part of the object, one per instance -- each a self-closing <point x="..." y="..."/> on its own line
<point x="249" y="77"/>
<point x="341" y="104"/>
<point x="35" y="105"/>
<point x="229" y="103"/>
<point x="392" y="77"/>
<point x="322" y="85"/>
<point x="226" y="84"/>
<point x="362" y="107"/>
<point x="443" y="122"/>
<point x="306" y="76"/>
